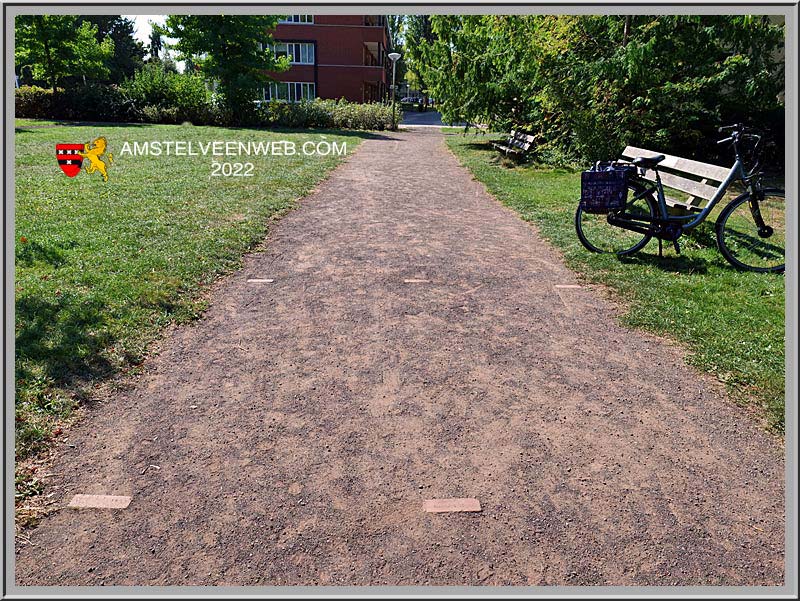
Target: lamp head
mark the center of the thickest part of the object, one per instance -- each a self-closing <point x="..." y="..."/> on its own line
<point x="393" y="56"/>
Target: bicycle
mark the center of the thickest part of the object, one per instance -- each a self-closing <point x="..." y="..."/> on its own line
<point x="750" y="230"/>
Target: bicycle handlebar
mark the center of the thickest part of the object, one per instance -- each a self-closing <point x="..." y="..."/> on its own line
<point x="737" y="135"/>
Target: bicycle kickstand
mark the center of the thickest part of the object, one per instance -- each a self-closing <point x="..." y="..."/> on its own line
<point x="660" y="248"/>
<point x="677" y="248"/>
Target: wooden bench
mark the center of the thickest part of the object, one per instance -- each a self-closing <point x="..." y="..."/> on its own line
<point x="699" y="180"/>
<point x="518" y="143"/>
<point x="479" y="129"/>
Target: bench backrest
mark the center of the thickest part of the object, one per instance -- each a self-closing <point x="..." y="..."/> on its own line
<point x="520" y="139"/>
<point x="698" y="180"/>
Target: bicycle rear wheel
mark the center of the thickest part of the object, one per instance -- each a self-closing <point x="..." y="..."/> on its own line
<point x="747" y="245"/>
<point x="599" y="236"/>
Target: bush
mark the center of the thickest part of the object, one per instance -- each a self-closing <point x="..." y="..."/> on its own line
<point x="93" y="102"/>
<point x="159" y="114"/>
<point x="178" y="97"/>
<point x="155" y="95"/>
<point x="334" y="114"/>
<point x="96" y="102"/>
<point x="33" y="102"/>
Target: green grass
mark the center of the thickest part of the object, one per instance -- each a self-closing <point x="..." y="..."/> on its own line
<point x="102" y="267"/>
<point x="28" y="122"/>
<point x="731" y="322"/>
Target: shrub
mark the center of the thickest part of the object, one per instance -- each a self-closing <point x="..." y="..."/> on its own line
<point x="33" y="102"/>
<point x="336" y="114"/>
<point x="149" y="86"/>
<point x="155" y="90"/>
<point x="94" y="102"/>
<point x="191" y="99"/>
<point x="156" y="95"/>
<point x="159" y="114"/>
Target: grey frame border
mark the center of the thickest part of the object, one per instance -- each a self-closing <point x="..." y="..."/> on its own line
<point x="788" y="9"/>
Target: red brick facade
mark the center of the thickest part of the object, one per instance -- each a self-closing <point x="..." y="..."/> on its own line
<point x="349" y="55"/>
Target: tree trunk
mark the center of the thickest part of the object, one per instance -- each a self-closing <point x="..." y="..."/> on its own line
<point x="626" y="32"/>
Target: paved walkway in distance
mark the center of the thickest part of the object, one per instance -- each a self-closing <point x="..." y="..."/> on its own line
<point x="416" y="343"/>
<point x="429" y="117"/>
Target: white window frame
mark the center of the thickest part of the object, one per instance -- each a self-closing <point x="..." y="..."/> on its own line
<point x="297" y="20"/>
<point x="295" y="91"/>
<point x="295" y="50"/>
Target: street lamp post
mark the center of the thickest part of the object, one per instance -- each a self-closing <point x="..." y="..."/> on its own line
<point x="393" y="56"/>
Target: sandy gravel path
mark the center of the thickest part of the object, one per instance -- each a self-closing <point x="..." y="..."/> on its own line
<point x="416" y="343"/>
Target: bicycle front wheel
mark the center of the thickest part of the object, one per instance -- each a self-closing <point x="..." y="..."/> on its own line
<point x="751" y="233"/>
<point x="599" y="236"/>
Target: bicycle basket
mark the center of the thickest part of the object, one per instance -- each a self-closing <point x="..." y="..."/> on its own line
<point x="604" y="187"/>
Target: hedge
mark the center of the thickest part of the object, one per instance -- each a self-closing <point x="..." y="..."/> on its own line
<point x="150" y="98"/>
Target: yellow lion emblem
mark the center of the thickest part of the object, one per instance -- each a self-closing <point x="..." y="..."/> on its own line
<point x="94" y="153"/>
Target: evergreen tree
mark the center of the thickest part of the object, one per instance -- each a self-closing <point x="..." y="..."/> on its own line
<point x="129" y="52"/>
<point x="156" y="42"/>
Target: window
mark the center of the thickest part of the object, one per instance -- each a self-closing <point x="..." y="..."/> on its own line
<point x="300" y="53"/>
<point x="291" y="91"/>
<point x="297" y="19"/>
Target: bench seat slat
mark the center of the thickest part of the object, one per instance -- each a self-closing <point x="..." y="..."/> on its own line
<point x="684" y="185"/>
<point x="518" y="142"/>
<point x="674" y="202"/>
<point x="714" y="173"/>
<point x="506" y="148"/>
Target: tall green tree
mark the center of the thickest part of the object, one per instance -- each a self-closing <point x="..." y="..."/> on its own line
<point x="129" y="52"/>
<point x="56" y="47"/>
<point x="233" y="50"/>
<point x="589" y="85"/>
<point x="395" y="26"/>
<point x="417" y="36"/>
<point x="156" y="42"/>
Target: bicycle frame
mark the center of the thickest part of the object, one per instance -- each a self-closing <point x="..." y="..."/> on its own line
<point x="736" y="173"/>
<point x="688" y="222"/>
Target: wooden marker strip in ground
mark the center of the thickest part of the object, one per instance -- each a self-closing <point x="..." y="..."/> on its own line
<point x="413" y="281"/>
<point x="559" y="287"/>
<point x="259" y="281"/>
<point x="450" y="505"/>
<point x="99" y="502"/>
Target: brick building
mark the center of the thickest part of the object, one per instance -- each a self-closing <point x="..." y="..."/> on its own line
<point x="333" y="56"/>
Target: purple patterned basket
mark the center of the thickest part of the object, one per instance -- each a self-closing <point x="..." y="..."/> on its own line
<point x="604" y="188"/>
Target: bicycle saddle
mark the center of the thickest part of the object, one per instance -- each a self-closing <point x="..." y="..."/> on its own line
<point x="648" y="162"/>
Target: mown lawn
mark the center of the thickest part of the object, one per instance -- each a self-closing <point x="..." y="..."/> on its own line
<point x="731" y="322"/>
<point x="102" y="267"/>
<point x="30" y="122"/>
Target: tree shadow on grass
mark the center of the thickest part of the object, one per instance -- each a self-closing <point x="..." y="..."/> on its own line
<point x="703" y="236"/>
<point x="32" y="252"/>
<point x="23" y="129"/>
<point x="63" y="337"/>
<point x="33" y="128"/>
<point x="673" y="263"/>
<point x="484" y="146"/>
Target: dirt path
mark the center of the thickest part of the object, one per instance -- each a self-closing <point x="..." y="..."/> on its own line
<point x="413" y="346"/>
